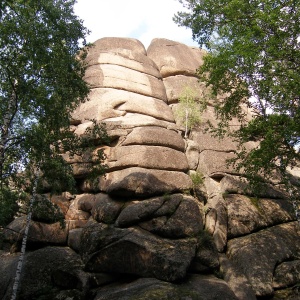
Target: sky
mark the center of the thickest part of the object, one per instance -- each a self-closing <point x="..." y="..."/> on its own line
<point x="140" y="19"/>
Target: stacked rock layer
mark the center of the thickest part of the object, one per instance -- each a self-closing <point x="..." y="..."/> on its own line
<point x="148" y="229"/>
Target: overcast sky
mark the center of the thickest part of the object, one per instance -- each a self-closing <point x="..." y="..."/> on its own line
<point x="140" y="19"/>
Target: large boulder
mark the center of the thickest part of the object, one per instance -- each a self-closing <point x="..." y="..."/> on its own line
<point x="237" y="184"/>
<point x="150" y="157"/>
<point x="171" y="216"/>
<point x="132" y="120"/>
<point x="236" y="280"/>
<point x="206" y="259"/>
<point x="106" y="209"/>
<point x="39" y="233"/>
<point x="138" y="232"/>
<point x="192" y="154"/>
<point x="135" y="251"/>
<point x="287" y="274"/>
<point x="154" y="136"/>
<point x="206" y="141"/>
<point x="118" y="77"/>
<point x="134" y="58"/>
<point x="144" y="183"/>
<point x="133" y="47"/>
<point x="116" y="102"/>
<point x="258" y="254"/>
<point x="249" y="214"/>
<point x="212" y="162"/>
<point x="123" y="79"/>
<point x="8" y="267"/>
<point x="195" y="288"/>
<point x="158" y="236"/>
<point x="173" y="58"/>
<point x="45" y="272"/>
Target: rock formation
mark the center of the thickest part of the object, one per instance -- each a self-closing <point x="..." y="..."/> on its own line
<point x="148" y="229"/>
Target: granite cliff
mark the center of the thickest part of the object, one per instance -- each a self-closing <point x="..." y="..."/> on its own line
<point x="170" y="220"/>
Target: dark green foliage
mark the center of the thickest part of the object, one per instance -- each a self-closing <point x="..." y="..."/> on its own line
<point x="8" y="206"/>
<point x="253" y="60"/>
<point x="205" y="240"/>
<point x="41" y="83"/>
<point x="45" y="211"/>
<point x="197" y="181"/>
<point x="59" y="175"/>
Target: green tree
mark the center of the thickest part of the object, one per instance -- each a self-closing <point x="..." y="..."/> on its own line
<point x="253" y="60"/>
<point x="188" y="110"/>
<point x="41" y="83"/>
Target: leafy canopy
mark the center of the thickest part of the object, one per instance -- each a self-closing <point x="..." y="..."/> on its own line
<point x="253" y="60"/>
<point x="41" y="83"/>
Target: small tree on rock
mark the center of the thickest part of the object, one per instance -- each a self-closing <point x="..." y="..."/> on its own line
<point x="253" y="59"/>
<point x="189" y="109"/>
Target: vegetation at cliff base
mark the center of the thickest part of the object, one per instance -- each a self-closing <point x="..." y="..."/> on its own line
<point x="253" y="61"/>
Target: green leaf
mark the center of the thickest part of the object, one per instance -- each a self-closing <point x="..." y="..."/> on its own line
<point x="253" y="61"/>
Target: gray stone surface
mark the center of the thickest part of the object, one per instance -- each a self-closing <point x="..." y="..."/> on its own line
<point x="192" y="154"/>
<point x="74" y="213"/>
<point x="233" y="184"/>
<point x="236" y="280"/>
<point x="258" y="253"/>
<point x="214" y="162"/>
<point x="106" y="209"/>
<point x="197" y="287"/>
<point x="287" y="274"/>
<point x="206" y="141"/>
<point x="58" y="268"/>
<point x="206" y="259"/>
<point x="74" y="239"/>
<point x="249" y="214"/>
<point x="39" y="233"/>
<point x="144" y="182"/>
<point x="132" y="120"/>
<point x="123" y="57"/>
<point x="134" y="251"/>
<point x="174" y="216"/>
<point x="8" y="267"/>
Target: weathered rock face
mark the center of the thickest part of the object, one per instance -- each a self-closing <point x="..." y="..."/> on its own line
<point x="45" y="272"/>
<point x="139" y="232"/>
<point x="128" y="94"/>
<point x="260" y="253"/>
<point x="196" y="287"/>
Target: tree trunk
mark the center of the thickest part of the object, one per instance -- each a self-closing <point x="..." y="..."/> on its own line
<point x="24" y="241"/>
<point x="6" y="126"/>
<point x="186" y="123"/>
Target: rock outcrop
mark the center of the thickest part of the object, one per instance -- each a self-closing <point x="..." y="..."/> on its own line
<point x="170" y="219"/>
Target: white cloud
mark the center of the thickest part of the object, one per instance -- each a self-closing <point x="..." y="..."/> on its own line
<point x="141" y="19"/>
